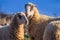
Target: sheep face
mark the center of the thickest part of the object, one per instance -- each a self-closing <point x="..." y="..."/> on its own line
<point x="29" y="10"/>
<point x="21" y="18"/>
<point x="29" y="5"/>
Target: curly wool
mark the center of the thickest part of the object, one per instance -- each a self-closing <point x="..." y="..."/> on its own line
<point x="52" y="31"/>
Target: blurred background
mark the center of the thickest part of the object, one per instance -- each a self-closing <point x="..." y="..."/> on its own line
<point x="48" y="7"/>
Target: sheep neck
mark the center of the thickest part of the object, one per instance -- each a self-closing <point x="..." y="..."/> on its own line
<point x="16" y="31"/>
<point x="36" y="16"/>
<point x="20" y="32"/>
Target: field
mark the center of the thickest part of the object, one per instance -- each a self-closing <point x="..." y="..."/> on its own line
<point x="26" y="37"/>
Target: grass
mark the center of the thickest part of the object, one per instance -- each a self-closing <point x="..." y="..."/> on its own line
<point x="26" y="36"/>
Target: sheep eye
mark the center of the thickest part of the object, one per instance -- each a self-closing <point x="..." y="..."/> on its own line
<point x="20" y="16"/>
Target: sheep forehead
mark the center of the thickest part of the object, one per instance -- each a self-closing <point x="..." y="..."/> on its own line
<point x="31" y="4"/>
<point x="20" y="13"/>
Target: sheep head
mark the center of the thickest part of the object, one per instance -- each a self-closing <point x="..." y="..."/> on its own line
<point x="20" y="18"/>
<point x="29" y="9"/>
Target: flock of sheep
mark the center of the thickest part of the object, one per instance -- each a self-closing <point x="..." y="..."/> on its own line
<point x="40" y="27"/>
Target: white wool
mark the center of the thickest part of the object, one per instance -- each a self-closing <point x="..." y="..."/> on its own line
<point x="3" y="26"/>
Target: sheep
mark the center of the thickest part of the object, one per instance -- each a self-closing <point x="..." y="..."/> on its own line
<point x="15" y="30"/>
<point x="5" y="19"/>
<point x="37" y="22"/>
<point x="52" y="31"/>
